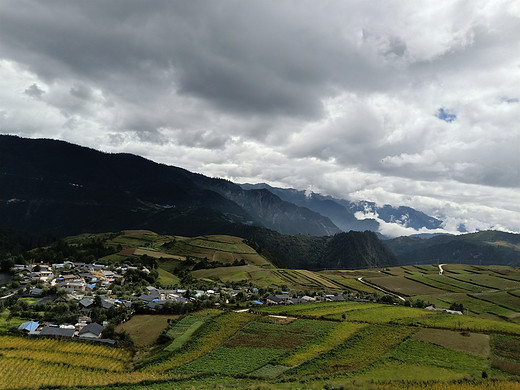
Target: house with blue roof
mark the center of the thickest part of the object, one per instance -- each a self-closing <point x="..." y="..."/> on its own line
<point x="29" y="326"/>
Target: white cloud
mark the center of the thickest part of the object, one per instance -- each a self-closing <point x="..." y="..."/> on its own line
<point x="336" y="96"/>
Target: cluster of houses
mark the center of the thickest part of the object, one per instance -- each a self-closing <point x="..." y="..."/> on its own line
<point x="155" y="297"/>
<point x="78" y="279"/>
<point x="75" y="277"/>
<point x="82" y="330"/>
<point x="286" y="299"/>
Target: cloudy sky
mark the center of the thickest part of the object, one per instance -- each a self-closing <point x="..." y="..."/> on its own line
<point x="411" y="103"/>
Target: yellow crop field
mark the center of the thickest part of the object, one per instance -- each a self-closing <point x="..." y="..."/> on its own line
<point x="33" y="363"/>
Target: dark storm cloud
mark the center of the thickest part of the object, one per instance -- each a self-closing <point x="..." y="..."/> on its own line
<point x="296" y="92"/>
<point x="246" y="58"/>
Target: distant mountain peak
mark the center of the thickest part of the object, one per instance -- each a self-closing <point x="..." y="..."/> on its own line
<point x="355" y="215"/>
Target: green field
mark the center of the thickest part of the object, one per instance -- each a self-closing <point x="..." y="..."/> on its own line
<point x="473" y="343"/>
<point x="363" y="348"/>
<point x="232" y="361"/>
<point x="7" y="323"/>
<point x="403" y="286"/>
<point x="431" y="281"/>
<point x="348" y="279"/>
<point x="330" y="336"/>
<point x="360" y="345"/>
<point x="427" y="354"/>
<point x="207" y="339"/>
<point x="167" y="279"/>
<point x="489" y="281"/>
<point x="145" y="328"/>
<point x="501" y="298"/>
<point x="183" y="329"/>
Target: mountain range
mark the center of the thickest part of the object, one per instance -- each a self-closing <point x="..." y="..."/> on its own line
<point x="481" y="248"/>
<point x="52" y="189"/>
<point x="342" y="212"/>
<point x="55" y="187"/>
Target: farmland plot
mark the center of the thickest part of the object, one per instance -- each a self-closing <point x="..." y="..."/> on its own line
<point x="489" y="281"/>
<point x="456" y="282"/>
<point x="31" y="363"/>
<point x="331" y="336"/>
<point x="501" y="298"/>
<point x="145" y="328"/>
<point x="395" y="370"/>
<point x="463" y="323"/>
<point x="383" y="314"/>
<point x="316" y="278"/>
<point x="348" y="281"/>
<point x="209" y="337"/>
<point x="426" y="354"/>
<point x="363" y="348"/>
<point x="403" y="286"/>
<point x="254" y="346"/>
<point x="232" y="361"/>
<point x="317" y="309"/>
<point x="506" y="354"/>
<point x="474" y="343"/>
<point x="429" y="281"/>
<point x="182" y="331"/>
<point x="478" y="306"/>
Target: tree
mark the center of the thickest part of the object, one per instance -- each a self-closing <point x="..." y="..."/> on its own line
<point x="389" y="299"/>
<point x="457" y="307"/>
<point x="6" y="265"/>
<point x="108" y="332"/>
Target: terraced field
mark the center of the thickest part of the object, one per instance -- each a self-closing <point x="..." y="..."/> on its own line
<point x="349" y="343"/>
<point x="33" y="363"/>
<point x="348" y="280"/>
<point x="404" y="286"/>
<point x="358" y="345"/>
<point x="145" y="328"/>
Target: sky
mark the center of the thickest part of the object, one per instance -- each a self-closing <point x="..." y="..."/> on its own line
<point x="413" y="103"/>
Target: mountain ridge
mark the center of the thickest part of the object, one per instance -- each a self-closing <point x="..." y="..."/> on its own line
<point x="342" y="212"/>
<point x="55" y="189"/>
<point x="38" y="175"/>
<point x="481" y="248"/>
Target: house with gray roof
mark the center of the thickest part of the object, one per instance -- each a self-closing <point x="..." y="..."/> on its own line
<point x="86" y="302"/>
<point x="92" y="330"/>
<point x="51" y="331"/>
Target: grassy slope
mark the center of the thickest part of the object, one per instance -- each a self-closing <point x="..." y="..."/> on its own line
<point x="145" y="328"/>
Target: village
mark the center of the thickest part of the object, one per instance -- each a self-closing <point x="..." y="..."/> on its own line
<point x="97" y="297"/>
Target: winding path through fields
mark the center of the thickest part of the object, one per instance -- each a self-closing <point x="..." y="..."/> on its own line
<point x="441" y="270"/>
<point x="380" y="289"/>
